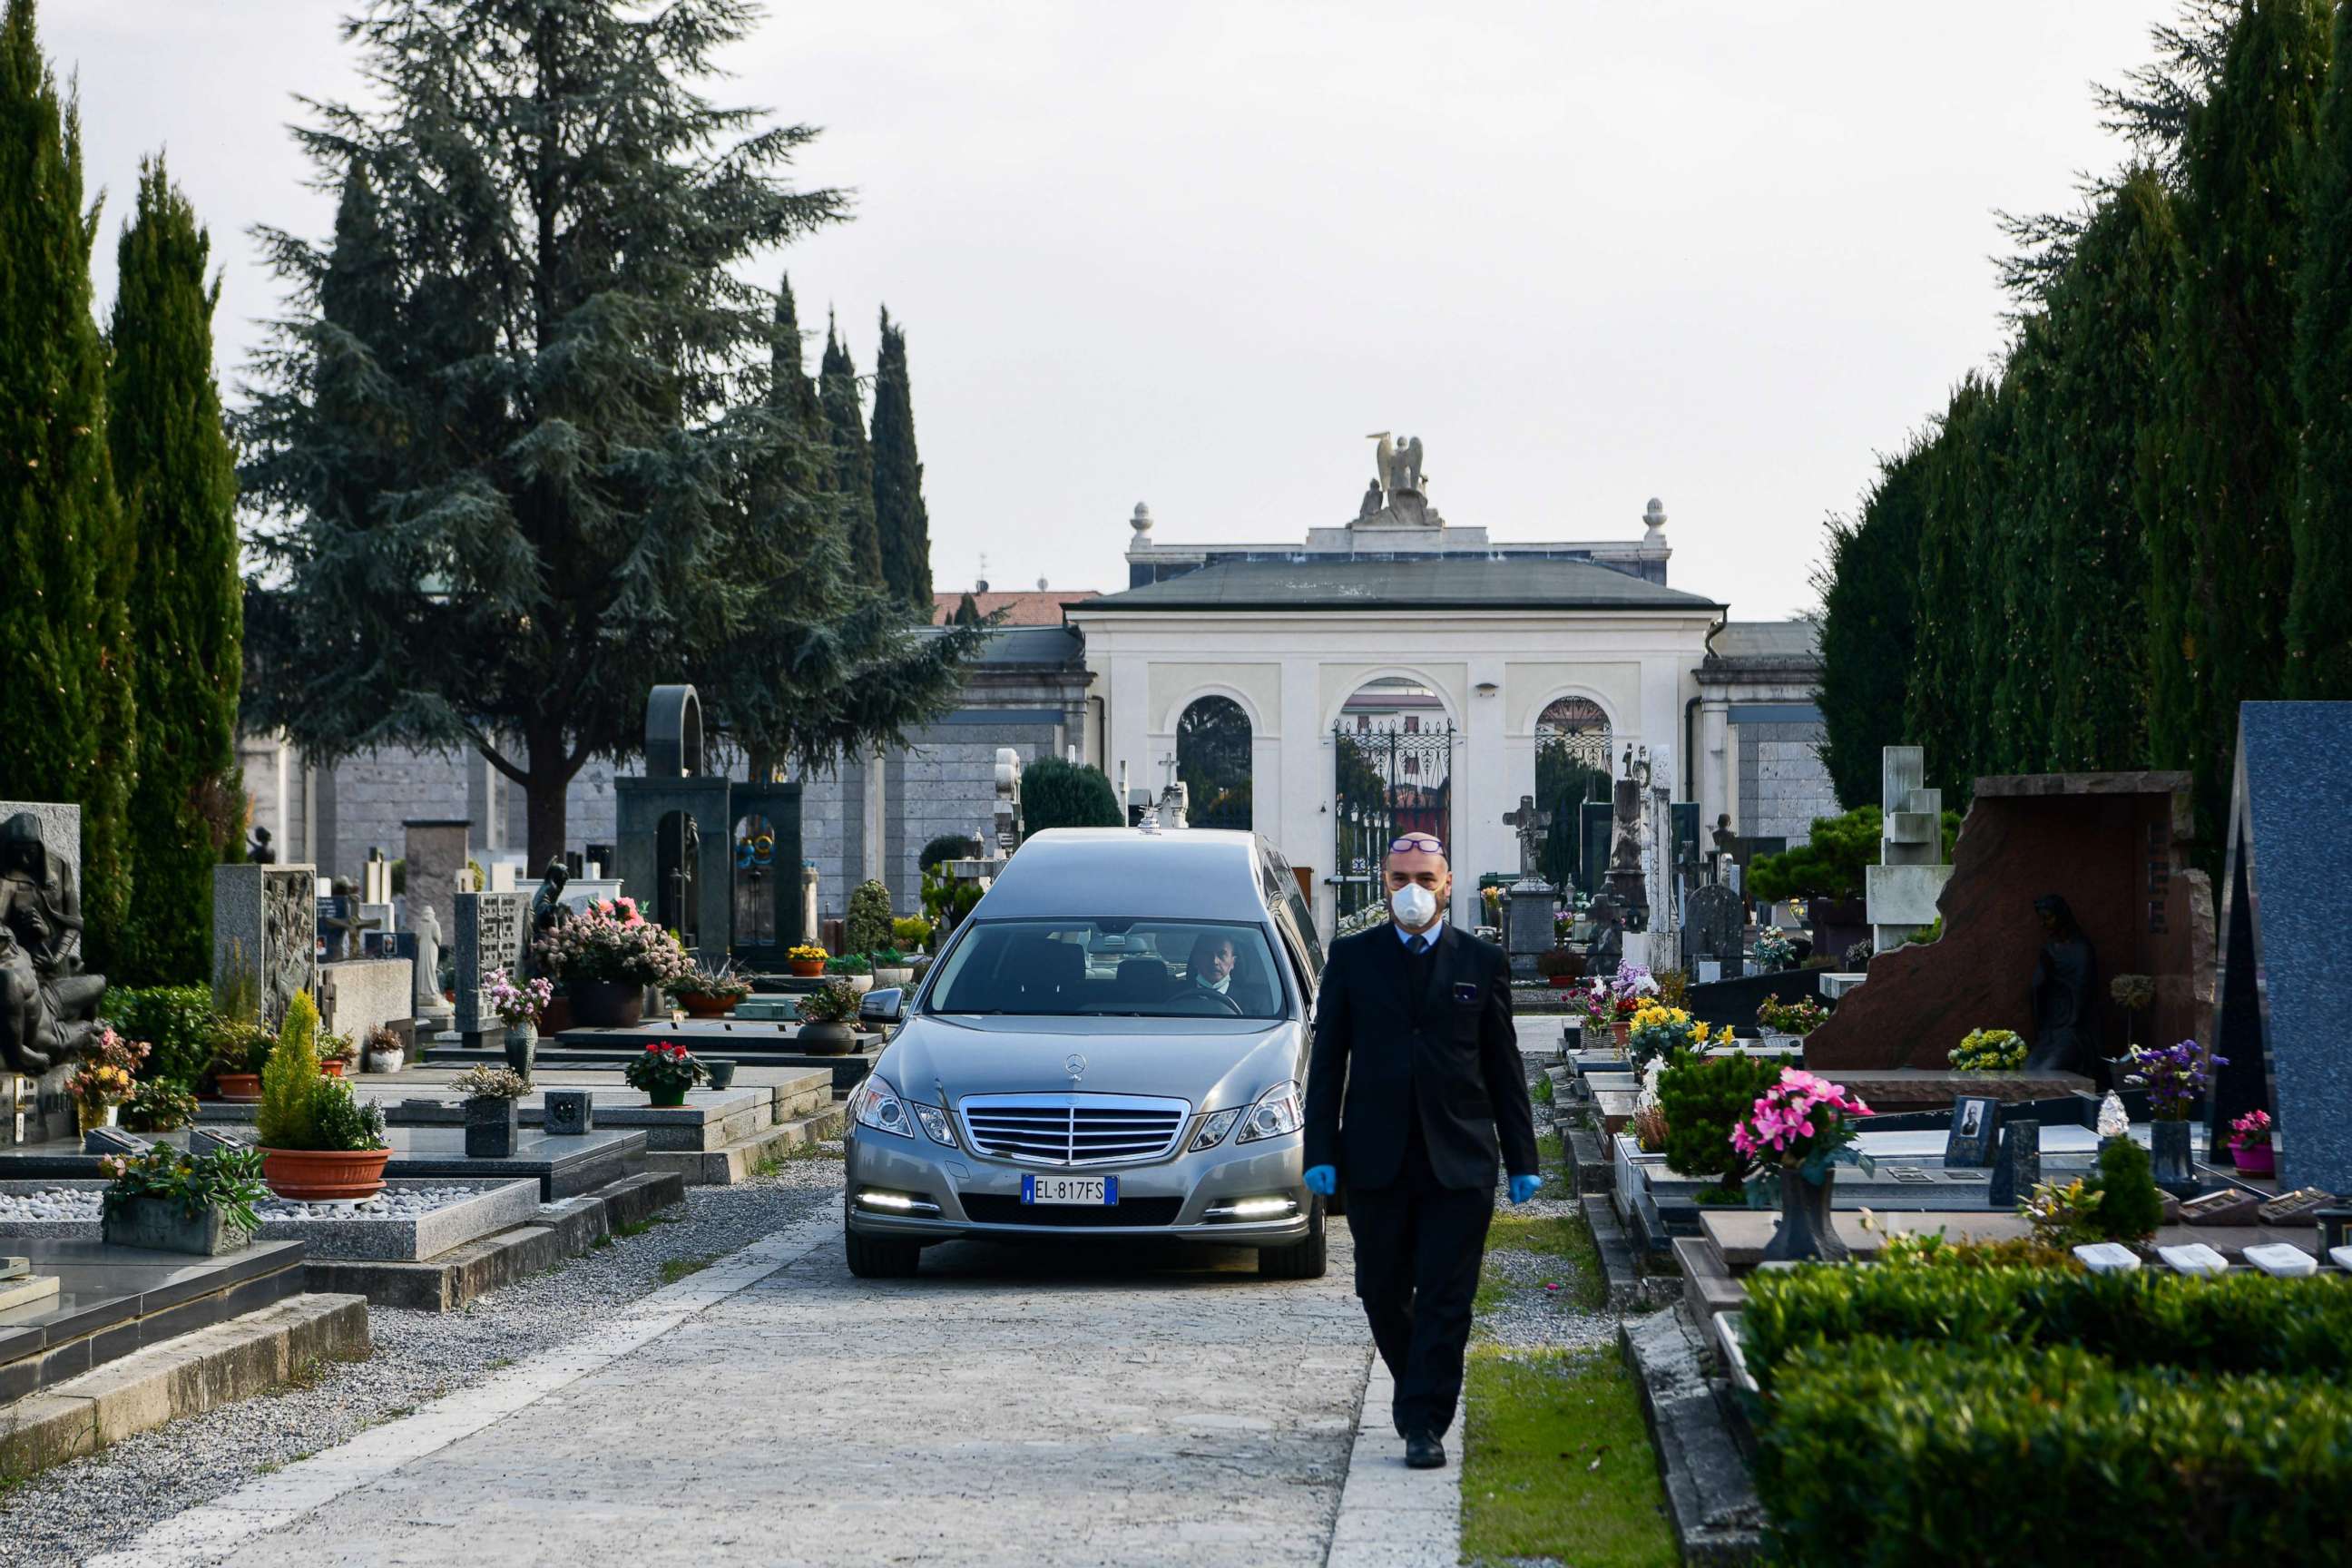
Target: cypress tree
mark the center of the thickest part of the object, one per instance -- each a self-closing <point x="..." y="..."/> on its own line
<point x="901" y="519"/>
<point x="1942" y="713"/>
<point x="967" y="611"/>
<point x="67" y="706"/>
<point x="2223" y="554"/>
<point x="2012" y="625"/>
<point x="2105" y="314"/>
<point x="178" y="482"/>
<point x="1869" y="588"/>
<point x="2319" y="650"/>
<point x="852" y="480"/>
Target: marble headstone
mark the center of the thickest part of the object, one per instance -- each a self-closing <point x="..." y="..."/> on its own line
<point x="437" y="851"/>
<point x="1715" y="919"/>
<point x="2286" y="900"/>
<point x="265" y="920"/>
<point x="492" y="928"/>
<point x="1976" y="1125"/>
<point x="2016" y="1165"/>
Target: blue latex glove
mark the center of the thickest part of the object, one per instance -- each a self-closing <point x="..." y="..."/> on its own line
<point x="1525" y="1187"/>
<point x="1323" y="1180"/>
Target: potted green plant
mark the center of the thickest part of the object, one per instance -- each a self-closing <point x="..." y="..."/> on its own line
<point x="319" y="1143"/>
<point x="805" y="960"/>
<point x="825" y="1018"/>
<point x="890" y="968"/>
<point x="240" y="1049"/>
<point x="867" y="925"/>
<point x="520" y="1006"/>
<point x="1563" y="966"/>
<point x="1990" y="1050"/>
<point x="336" y="1054"/>
<point x="159" y="1106"/>
<point x="384" y="1054"/>
<point x="711" y="993"/>
<point x="665" y="1070"/>
<point x="1776" y="1016"/>
<point x="169" y="1201"/>
<point x="606" y="955"/>
<point x="493" y="1109"/>
<point x="2250" y="1144"/>
<point x="855" y="969"/>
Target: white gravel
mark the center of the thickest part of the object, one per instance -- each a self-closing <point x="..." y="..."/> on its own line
<point x="89" y="1203"/>
<point x="100" y="1504"/>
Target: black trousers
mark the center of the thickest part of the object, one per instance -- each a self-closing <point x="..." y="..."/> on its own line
<point x="1418" y="1251"/>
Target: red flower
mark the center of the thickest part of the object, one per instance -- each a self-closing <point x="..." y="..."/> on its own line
<point x="652" y="1047"/>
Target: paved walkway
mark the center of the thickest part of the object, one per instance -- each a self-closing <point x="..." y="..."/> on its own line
<point x="1067" y="1406"/>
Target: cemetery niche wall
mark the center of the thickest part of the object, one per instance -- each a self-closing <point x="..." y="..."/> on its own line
<point x="2284" y="992"/>
<point x="2114" y="846"/>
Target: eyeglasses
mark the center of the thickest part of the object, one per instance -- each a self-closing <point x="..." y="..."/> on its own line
<point x="1416" y="841"/>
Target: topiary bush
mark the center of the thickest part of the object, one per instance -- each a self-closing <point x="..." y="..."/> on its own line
<point x="1920" y="1455"/>
<point x="176" y="1022"/>
<point x="948" y="847"/>
<point x="2130" y="1207"/>
<point x="867" y="928"/>
<point x="1055" y="793"/>
<point x="1703" y="1098"/>
<point x="289" y="1080"/>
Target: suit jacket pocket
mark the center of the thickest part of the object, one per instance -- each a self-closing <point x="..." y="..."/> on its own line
<point x="1466" y="1020"/>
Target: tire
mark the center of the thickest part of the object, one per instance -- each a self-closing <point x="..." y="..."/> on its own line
<point x="876" y="1257"/>
<point x="1305" y="1260"/>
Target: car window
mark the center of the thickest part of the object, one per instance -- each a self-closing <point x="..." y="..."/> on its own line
<point x="1110" y="968"/>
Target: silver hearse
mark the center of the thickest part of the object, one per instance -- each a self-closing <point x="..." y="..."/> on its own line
<point x="1114" y="1043"/>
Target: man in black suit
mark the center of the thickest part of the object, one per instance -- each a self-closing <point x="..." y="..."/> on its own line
<point x="1415" y="1024"/>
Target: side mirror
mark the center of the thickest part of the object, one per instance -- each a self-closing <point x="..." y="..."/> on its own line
<point x="887" y="1005"/>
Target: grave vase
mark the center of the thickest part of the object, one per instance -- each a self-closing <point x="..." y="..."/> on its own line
<point x="88" y="1116"/>
<point x="523" y="1049"/>
<point x="491" y="1128"/>
<point x="2167" y="1148"/>
<point x="1805" y="1230"/>
<point x="607" y="1004"/>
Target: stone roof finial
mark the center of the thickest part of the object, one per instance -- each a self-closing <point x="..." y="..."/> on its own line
<point x="1653" y="517"/>
<point x="1141" y="521"/>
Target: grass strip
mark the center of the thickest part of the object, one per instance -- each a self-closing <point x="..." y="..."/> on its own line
<point x="1557" y="1463"/>
<point x="1568" y="1237"/>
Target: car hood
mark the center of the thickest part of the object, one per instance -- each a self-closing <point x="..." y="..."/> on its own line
<point x="1215" y="1063"/>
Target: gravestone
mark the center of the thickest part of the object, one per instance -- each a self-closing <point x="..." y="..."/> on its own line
<point x="492" y="930"/>
<point x="204" y="1140"/>
<point x="437" y="850"/>
<point x="1607" y="949"/>
<point x="569" y="1112"/>
<point x="265" y="922"/>
<point x="674" y="824"/>
<point x="375" y="881"/>
<point x="113" y="1140"/>
<point x="2017" y="1165"/>
<point x="2286" y="901"/>
<point x="1715" y="919"/>
<point x="1976" y="1123"/>
<point x="1901" y="891"/>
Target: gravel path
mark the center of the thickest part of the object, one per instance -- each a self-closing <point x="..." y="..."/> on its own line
<point x="92" y="1505"/>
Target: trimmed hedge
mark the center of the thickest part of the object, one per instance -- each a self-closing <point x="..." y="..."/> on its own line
<point x="2238" y="1323"/>
<point x="176" y="1021"/>
<point x="1884" y="1454"/>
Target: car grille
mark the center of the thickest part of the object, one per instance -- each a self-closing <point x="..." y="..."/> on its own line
<point x="1073" y="1129"/>
<point x="991" y="1208"/>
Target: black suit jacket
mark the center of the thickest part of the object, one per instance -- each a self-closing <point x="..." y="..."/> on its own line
<point x="1448" y="1056"/>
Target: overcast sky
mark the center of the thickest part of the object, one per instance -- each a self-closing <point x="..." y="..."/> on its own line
<point x="1190" y="253"/>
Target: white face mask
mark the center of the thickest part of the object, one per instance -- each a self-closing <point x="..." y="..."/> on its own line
<point x="1413" y="906"/>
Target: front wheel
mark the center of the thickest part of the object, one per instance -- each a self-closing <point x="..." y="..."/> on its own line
<point x="879" y="1257"/>
<point x="1305" y="1260"/>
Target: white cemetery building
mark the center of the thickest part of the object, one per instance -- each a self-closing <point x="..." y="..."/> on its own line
<point x="1388" y="672"/>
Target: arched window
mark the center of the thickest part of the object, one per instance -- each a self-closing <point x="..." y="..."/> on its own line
<point x="1572" y="768"/>
<point x="1393" y="773"/>
<point x="1212" y="758"/>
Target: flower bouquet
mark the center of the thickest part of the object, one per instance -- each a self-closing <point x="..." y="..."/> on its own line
<point x="1773" y="948"/>
<point x="1806" y="1126"/>
<point x="2176" y="1078"/>
<point x="519" y="1007"/>
<point x="1800" y="1017"/>
<point x="1990" y="1050"/>
<point x="2250" y="1144"/>
<point x="666" y="1071"/>
<point x="107" y="1078"/>
<point x="606" y="955"/>
<point x="1657" y="1032"/>
<point x="1612" y="1000"/>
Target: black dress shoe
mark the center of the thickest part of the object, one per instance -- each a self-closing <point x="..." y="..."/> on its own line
<point x="1422" y="1451"/>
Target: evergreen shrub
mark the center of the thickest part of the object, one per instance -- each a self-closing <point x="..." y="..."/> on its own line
<point x="290" y="1078"/>
<point x="867" y="929"/>
<point x="176" y="1022"/>
<point x="1703" y="1099"/>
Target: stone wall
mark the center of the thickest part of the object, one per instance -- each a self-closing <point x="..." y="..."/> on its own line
<point x="1782" y="784"/>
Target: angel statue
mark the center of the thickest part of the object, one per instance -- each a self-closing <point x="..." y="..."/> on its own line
<point x="1383" y="458"/>
<point x="1407" y="465"/>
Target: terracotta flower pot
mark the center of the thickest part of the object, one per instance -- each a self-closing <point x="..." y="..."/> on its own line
<point x="2257" y="1162"/>
<point x="333" y="1067"/>
<point x="699" y="1006"/>
<point x="324" y="1175"/>
<point x="238" y="1085"/>
<point x="1623" y="1033"/>
<point x="805" y="968"/>
<point x="607" y="1004"/>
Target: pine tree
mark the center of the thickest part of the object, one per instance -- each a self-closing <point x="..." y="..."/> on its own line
<point x="1869" y="587"/>
<point x="901" y="519"/>
<point x="67" y="706"/>
<point x="2222" y="551"/>
<point x="516" y="443"/>
<point x="852" y="480"/>
<point x="178" y="483"/>
<point x="967" y="611"/>
<point x="2319" y="649"/>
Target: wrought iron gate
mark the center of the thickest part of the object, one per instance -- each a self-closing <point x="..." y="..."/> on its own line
<point x="1385" y="783"/>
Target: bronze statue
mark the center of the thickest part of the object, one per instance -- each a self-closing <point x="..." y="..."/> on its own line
<point x="48" y="1008"/>
<point x="547" y="910"/>
<point x="2065" y="979"/>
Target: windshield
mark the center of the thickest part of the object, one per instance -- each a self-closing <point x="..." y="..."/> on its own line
<point x="1110" y="968"/>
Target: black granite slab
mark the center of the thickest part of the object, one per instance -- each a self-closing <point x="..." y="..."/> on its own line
<point x="113" y="1300"/>
<point x="2286" y="904"/>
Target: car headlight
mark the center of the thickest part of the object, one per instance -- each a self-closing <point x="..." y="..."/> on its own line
<point x="1275" y="1114"/>
<point x="877" y="1105"/>
<point x="1213" y="1130"/>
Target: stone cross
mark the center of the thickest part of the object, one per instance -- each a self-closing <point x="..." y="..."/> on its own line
<point x="1531" y="823"/>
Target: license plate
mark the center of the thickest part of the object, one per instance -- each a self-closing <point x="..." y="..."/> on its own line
<point x="1092" y="1191"/>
